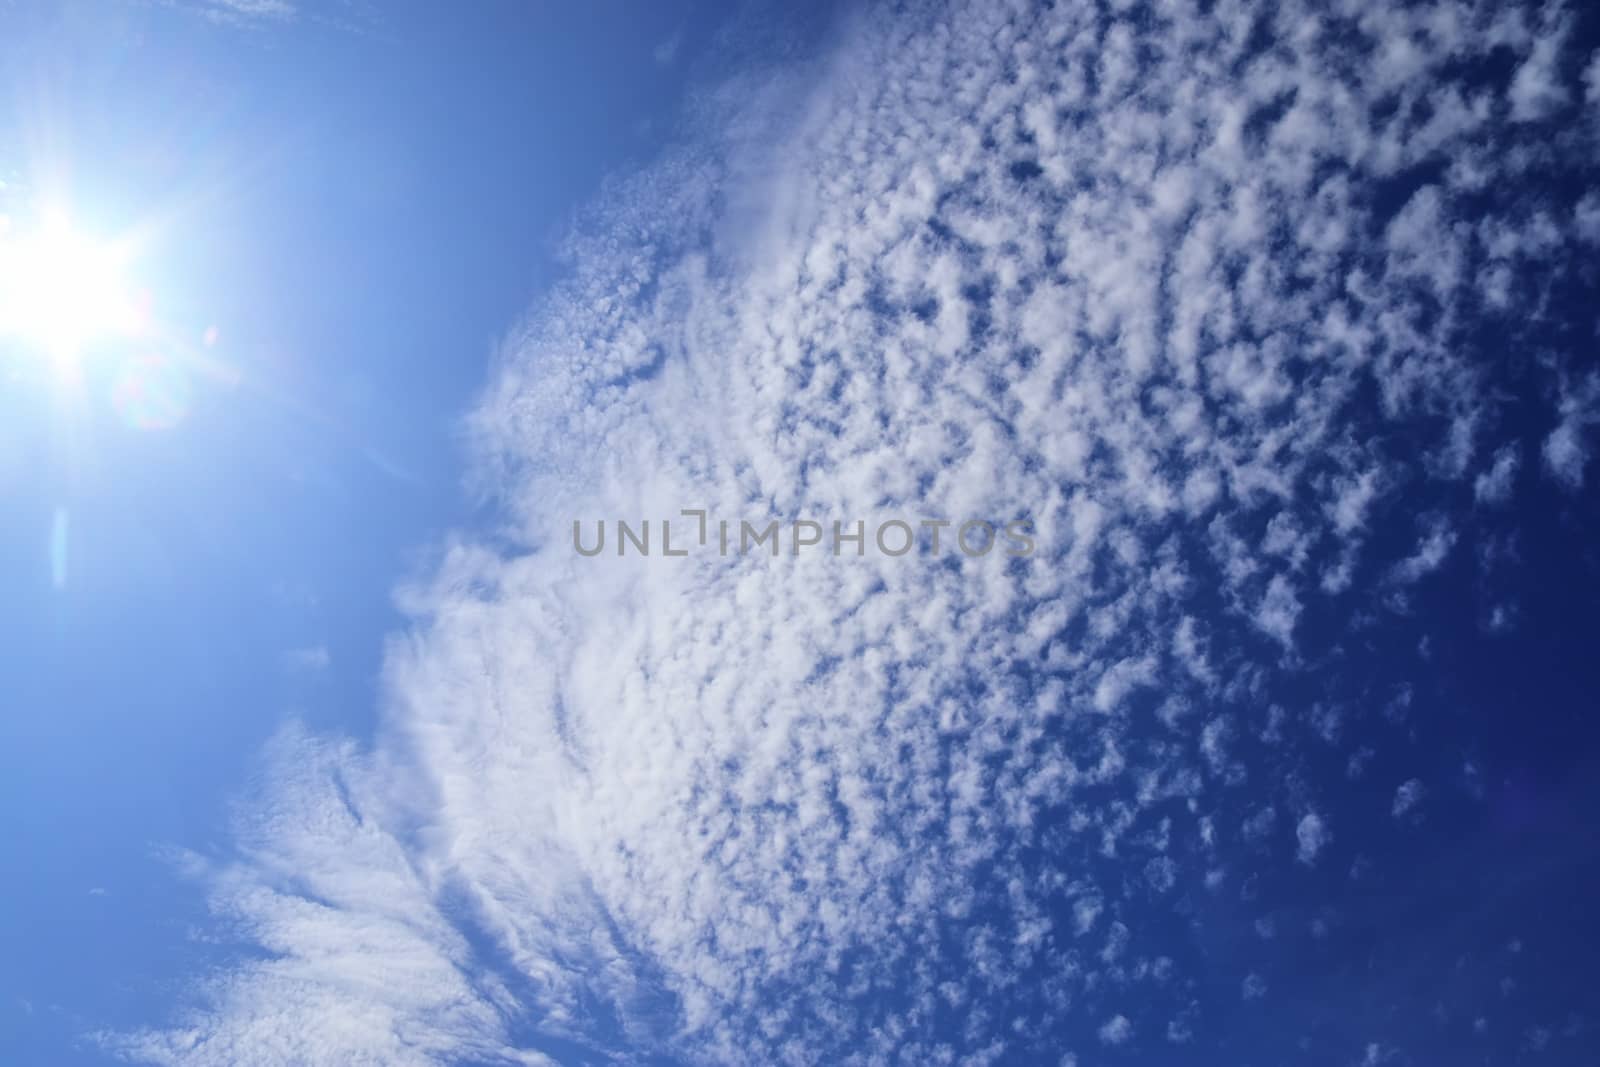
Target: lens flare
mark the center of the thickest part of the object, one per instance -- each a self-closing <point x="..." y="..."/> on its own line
<point x="152" y="393"/>
<point x="58" y="548"/>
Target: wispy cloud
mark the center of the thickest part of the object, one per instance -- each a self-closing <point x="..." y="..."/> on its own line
<point x="1407" y="798"/>
<point x="1566" y="449"/>
<point x="241" y="12"/>
<point x="312" y="658"/>
<point x="666" y="53"/>
<point x="364" y="966"/>
<point x="1494" y="485"/>
<point x="1313" y="836"/>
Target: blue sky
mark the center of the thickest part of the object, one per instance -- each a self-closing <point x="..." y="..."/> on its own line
<point x="319" y="743"/>
<point x="359" y="211"/>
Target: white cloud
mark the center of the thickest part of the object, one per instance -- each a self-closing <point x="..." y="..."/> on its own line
<point x="1122" y="679"/>
<point x="1355" y="495"/>
<point x="1116" y="1030"/>
<point x="1430" y="552"/>
<point x="1407" y="797"/>
<point x="1536" y="88"/>
<point x="243" y="12"/>
<point x="1260" y="825"/>
<point x="1494" y="485"/>
<point x="1375" y="1053"/>
<point x="1085" y="911"/>
<point x="1161" y="873"/>
<point x="1279" y="609"/>
<point x="1566" y="449"/>
<point x="1110" y="275"/>
<point x="1586" y="215"/>
<point x="1566" y="454"/>
<point x="1312" y="835"/>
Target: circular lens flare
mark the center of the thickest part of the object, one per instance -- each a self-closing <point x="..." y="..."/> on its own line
<point x="152" y="393"/>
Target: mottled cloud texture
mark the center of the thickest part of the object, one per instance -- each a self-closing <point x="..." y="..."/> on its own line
<point x="1196" y="291"/>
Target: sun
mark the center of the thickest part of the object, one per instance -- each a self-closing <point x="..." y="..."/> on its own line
<point x="60" y="290"/>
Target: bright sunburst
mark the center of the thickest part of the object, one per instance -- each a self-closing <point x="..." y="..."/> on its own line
<point x="60" y="290"/>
